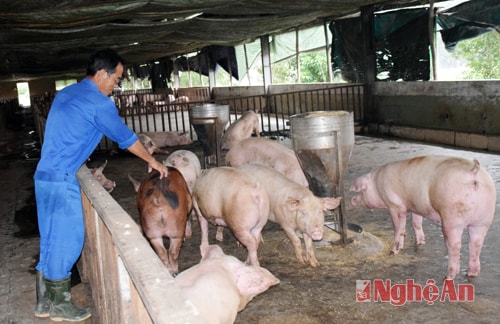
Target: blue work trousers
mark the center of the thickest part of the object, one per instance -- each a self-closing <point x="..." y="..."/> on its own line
<point x="62" y="231"/>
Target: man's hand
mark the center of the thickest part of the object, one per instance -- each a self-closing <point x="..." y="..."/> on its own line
<point x="158" y="166"/>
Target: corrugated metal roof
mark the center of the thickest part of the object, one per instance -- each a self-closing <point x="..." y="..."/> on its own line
<point x="41" y="38"/>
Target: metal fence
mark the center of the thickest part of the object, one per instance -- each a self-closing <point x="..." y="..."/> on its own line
<point x="276" y="109"/>
<point x="145" y="111"/>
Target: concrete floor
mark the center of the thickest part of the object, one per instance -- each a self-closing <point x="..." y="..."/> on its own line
<point x="326" y="294"/>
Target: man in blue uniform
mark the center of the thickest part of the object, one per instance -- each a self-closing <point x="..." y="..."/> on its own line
<point x="79" y="117"/>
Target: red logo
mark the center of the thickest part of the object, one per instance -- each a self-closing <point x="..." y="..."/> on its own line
<point x="363" y="290"/>
<point x="409" y="291"/>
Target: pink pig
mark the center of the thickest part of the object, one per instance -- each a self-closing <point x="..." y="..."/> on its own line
<point x="221" y="285"/>
<point x="109" y="185"/>
<point x="457" y="192"/>
<point x="295" y="208"/>
<point x="268" y="152"/>
<point x="189" y="166"/>
<point x="229" y="197"/>
<point x="241" y="128"/>
<point x="155" y="141"/>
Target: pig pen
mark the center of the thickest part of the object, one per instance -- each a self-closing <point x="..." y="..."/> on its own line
<point x="327" y="294"/>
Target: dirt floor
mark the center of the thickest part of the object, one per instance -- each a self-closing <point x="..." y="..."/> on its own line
<point x="326" y="294"/>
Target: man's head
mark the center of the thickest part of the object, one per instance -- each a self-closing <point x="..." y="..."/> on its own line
<point x="105" y="68"/>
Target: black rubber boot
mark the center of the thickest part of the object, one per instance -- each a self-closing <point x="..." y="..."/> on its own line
<point x="42" y="300"/>
<point x="62" y="308"/>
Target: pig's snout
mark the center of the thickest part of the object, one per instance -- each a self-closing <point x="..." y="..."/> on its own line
<point x="356" y="200"/>
<point x="317" y="235"/>
<point x="186" y="141"/>
<point x="109" y="186"/>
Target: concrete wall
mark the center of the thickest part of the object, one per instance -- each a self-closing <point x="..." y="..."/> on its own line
<point x="459" y="113"/>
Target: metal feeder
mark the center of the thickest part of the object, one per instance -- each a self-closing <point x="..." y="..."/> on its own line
<point x="209" y="121"/>
<point x="323" y="143"/>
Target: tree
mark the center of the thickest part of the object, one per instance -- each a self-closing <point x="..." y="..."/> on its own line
<point x="313" y="68"/>
<point x="482" y="54"/>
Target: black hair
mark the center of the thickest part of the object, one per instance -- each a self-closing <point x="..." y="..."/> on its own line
<point x="106" y="59"/>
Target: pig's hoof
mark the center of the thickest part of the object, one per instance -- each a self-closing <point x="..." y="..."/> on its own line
<point x="472" y="273"/>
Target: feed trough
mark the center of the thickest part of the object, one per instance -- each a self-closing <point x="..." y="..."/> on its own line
<point x="323" y="143"/>
<point x="209" y="121"/>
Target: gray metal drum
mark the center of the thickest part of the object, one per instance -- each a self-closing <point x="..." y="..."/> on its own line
<point x="323" y="142"/>
<point x="209" y="121"/>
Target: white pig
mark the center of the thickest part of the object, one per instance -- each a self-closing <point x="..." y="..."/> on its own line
<point x="150" y="145"/>
<point x="241" y="128"/>
<point x="220" y="285"/>
<point x="294" y="207"/>
<point x="456" y="192"/>
<point x="229" y="197"/>
<point x="268" y="152"/>
<point x="109" y="185"/>
<point x="189" y="166"/>
<point x="155" y="141"/>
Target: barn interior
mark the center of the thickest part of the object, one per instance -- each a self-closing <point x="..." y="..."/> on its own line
<point x="43" y="41"/>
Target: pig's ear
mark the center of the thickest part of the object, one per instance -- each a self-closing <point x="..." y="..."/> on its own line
<point x="331" y="203"/>
<point x="293" y="203"/>
<point x="210" y="251"/>
<point x="135" y="183"/>
<point x="360" y="184"/>
<point x="100" y="168"/>
<point x="253" y="280"/>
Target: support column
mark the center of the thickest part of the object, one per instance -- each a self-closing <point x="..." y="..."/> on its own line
<point x="266" y="62"/>
<point x="367" y="27"/>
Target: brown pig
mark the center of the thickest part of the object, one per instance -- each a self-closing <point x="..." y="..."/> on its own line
<point x="229" y="197"/>
<point x="189" y="166"/>
<point x="295" y="208"/>
<point x="163" y="206"/>
<point x="221" y="285"/>
<point x="455" y="192"/>
<point x="109" y="185"/>
<point x="241" y="128"/>
<point x="268" y="152"/>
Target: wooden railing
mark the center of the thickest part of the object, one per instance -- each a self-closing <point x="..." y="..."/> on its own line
<point x="129" y="283"/>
